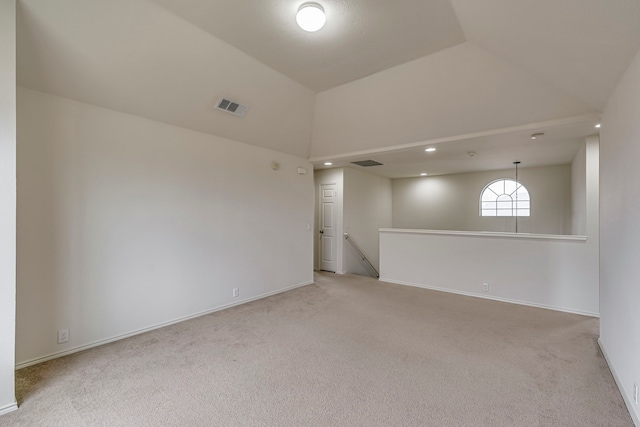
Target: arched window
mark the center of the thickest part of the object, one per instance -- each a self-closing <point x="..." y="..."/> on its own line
<point x="505" y="197"/>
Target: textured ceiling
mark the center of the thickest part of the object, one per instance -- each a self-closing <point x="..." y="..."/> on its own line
<point x="360" y="37"/>
<point x="135" y="57"/>
<point x="492" y="151"/>
<point x="579" y="46"/>
<point x="380" y="75"/>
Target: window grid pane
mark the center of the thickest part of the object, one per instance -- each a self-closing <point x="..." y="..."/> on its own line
<point x="505" y="197"/>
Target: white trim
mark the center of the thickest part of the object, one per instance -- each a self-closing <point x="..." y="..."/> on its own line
<point x="486" y="188"/>
<point x="393" y="148"/>
<point x="507" y="300"/>
<point x="527" y="236"/>
<point x="338" y="224"/>
<point x="151" y="328"/>
<point x="627" y="399"/>
<point x="9" y="408"/>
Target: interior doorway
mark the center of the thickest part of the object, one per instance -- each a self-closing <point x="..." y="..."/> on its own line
<point x="327" y="228"/>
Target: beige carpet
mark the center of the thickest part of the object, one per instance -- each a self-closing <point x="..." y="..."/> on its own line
<point x="346" y="351"/>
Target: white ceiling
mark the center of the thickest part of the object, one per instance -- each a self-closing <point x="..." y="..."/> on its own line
<point x="493" y="151"/>
<point x="135" y="57"/>
<point x="579" y="46"/>
<point x="171" y="60"/>
<point x="360" y="37"/>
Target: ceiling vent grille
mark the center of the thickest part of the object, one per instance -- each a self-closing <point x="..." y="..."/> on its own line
<point x="367" y="163"/>
<point x="232" y="107"/>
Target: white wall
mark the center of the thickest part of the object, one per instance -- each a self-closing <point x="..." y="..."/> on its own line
<point x="592" y="198"/>
<point x="585" y="193"/>
<point x="135" y="56"/>
<point x="456" y="91"/>
<point x="620" y="234"/>
<point x="579" y="192"/>
<point x="330" y="176"/>
<point x="451" y="202"/>
<point x="367" y="208"/>
<point x="558" y="272"/>
<point x="125" y="224"/>
<point x="7" y="203"/>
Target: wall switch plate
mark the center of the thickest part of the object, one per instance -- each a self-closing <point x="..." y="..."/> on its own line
<point x="236" y="292"/>
<point x="636" y="393"/>
<point x="63" y="336"/>
<point x="485" y="287"/>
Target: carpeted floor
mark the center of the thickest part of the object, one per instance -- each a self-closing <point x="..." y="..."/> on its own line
<point x="346" y="351"/>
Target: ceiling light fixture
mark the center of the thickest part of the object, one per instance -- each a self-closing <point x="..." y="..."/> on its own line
<point x="471" y="153"/>
<point x="423" y="174"/>
<point x="537" y="135"/>
<point x="310" y="17"/>
<point x="328" y="163"/>
<point x="598" y="125"/>
<point x="430" y="150"/>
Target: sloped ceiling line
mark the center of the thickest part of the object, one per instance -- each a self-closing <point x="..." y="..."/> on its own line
<point x="158" y="59"/>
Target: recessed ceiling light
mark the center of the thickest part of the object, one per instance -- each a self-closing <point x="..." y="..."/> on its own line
<point x="430" y="149"/>
<point x="598" y="125"/>
<point x="471" y="153"/>
<point x="423" y="174"/>
<point x="537" y="135"/>
<point x="310" y="17"/>
<point x="328" y="163"/>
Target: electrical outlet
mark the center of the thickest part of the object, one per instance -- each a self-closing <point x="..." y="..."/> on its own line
<point x="63" y="336"/>
<point x="636" y="393"/>
<point x="236" y="292"/>
<point x="485" y="287"/>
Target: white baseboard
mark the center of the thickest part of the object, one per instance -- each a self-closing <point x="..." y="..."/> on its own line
<point x="9" y="408"/>
<point x="77" y="349"/>
<point x="494" y="298"/>
<point x="627" y="399"/>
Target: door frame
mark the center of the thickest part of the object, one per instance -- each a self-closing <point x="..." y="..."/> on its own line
<point x="323" y="230"/>
<point x="329" y="176"/>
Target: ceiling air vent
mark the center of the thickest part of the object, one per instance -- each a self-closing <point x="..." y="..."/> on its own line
<point x="367" y="163"/>
<point x="232" y="107"/>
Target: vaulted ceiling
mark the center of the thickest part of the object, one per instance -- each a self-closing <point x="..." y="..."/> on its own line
<point x="360" y="37"/>
<point x="381" y="74"/>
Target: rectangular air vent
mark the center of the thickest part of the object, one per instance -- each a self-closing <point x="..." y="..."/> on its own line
<point x="367" y="163"/>
<point x="232" y="107"/>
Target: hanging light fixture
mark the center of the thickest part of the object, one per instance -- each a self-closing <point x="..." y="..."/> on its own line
<point x="310" y="17"/>
<point x="517" y="183"/>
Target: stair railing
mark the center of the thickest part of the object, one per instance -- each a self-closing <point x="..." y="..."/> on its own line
<point x="361" y="254"/>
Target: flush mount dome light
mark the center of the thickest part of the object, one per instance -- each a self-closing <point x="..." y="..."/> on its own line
<point x="311" y="17"/>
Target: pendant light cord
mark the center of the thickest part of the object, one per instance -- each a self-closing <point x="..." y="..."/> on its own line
<point x="517" y="183"/>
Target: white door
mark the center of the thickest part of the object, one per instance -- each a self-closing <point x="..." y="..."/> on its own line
<point x="327" y="227"/>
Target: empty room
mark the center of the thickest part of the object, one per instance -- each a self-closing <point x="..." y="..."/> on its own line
<point x="396" y="213"/>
